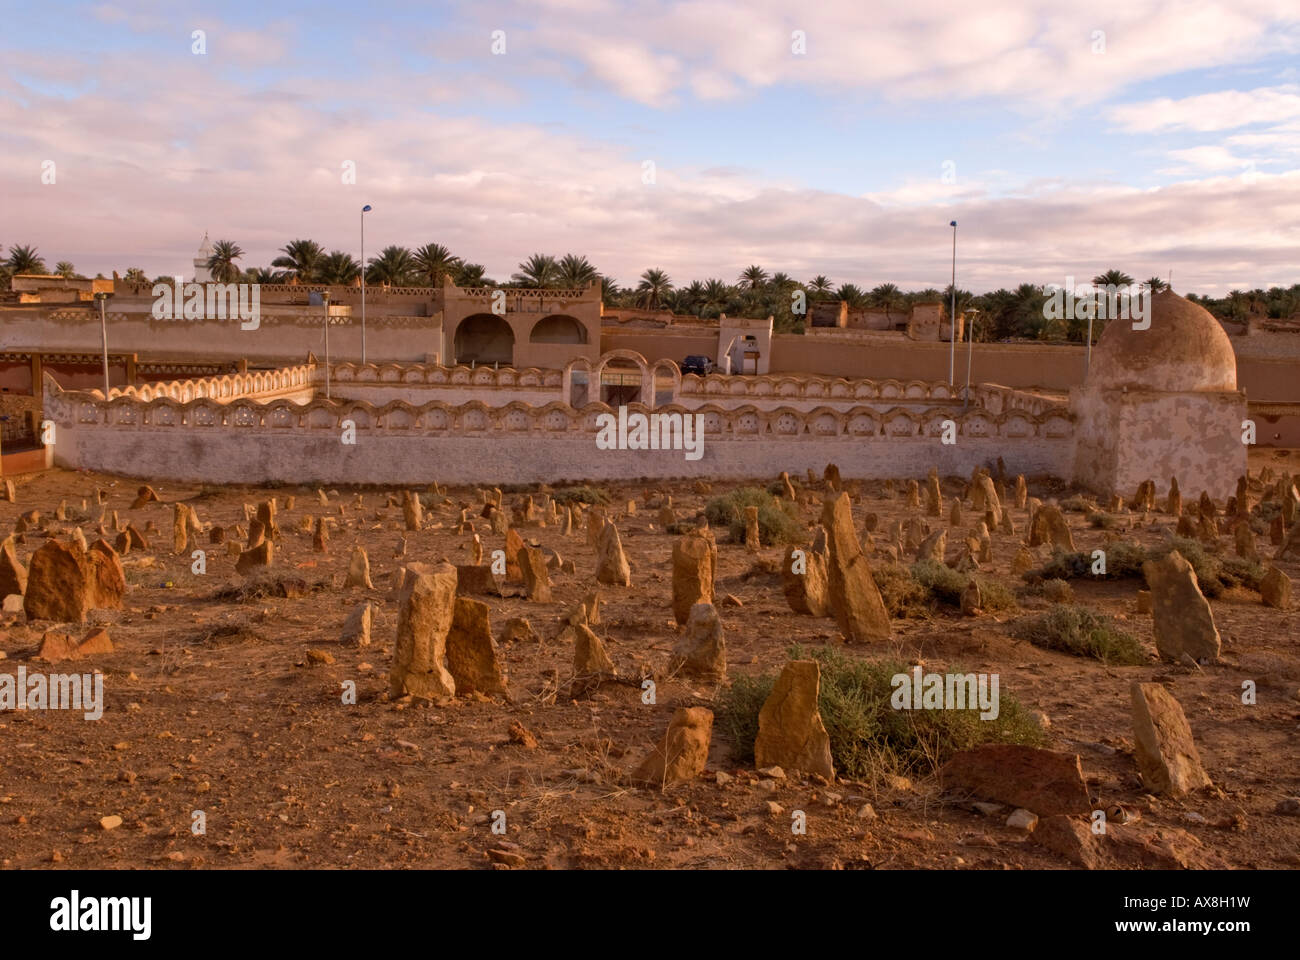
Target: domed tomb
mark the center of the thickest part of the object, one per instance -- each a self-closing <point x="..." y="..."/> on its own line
<point x="1185" y="350"/>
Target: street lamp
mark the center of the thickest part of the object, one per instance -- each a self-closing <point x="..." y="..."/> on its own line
<point x="103" y="335"/>
<point x="325" y="298"/>
<point x="970" y="350"/>
<point x="952" y="313"/>
<point x="364" y="210"/>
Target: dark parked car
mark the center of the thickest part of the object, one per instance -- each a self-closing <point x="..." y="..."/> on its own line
<point x="697" y="365"/>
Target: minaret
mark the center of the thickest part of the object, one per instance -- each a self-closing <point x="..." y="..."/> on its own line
<point x="201" y="272"/>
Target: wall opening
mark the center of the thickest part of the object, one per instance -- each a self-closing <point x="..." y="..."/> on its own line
<point x="484" y="338"/>
<point x="620" y="383"/>
<point x="558" y="329"/>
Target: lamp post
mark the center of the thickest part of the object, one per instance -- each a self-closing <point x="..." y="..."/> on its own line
<point x="364" y="211"/>
<point x="103" y="334"/>
<point x="952" y="313"/>
<point x="970" y="350"/>
<point x="325" y="298"/>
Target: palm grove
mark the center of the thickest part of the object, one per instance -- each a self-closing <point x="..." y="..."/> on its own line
<point x="1001" y="314"/>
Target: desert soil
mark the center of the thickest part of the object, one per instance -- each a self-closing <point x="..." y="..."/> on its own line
<point x="215" y="706"/>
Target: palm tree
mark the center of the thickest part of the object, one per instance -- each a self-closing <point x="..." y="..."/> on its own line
<point x="222" y="262"/>
<point x="820" y="284"/>
<point x="1113" y="278"/>
<point x="575" y="272"/>
<point x="24" y="259"/>
<point x="654" y="286"/>
<point x="433" y="261"/>
<point x="338" y="267"/>
<point x="539" y="270"/>
<point x="886" y="295"/>
<point x="851" y="295"/>
<point x="135" y="275"/>
<point x="470" y="275"/>
<point x="609" y="290"/>
<point x="263" y="275"/>
<point x="65" y="270"/>
<point x="1155" y="285"/>
<point x="752" y="277"/>
<point x="691" y="297"/>
<point x="783" y="281"/>
<point x="393" y="267"/>
<point x="301" y="259"/>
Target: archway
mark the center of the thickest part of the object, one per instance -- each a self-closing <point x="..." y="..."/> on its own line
<point x="620" y="383"/>
<point x="558" y="329"/>
<point x="484" y="338"/>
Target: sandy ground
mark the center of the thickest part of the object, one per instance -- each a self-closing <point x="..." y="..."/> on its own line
<point x="215" y="706"/>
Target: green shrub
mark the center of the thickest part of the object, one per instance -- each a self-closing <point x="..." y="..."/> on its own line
<point x="1105" y="521"/>
<point x="582" y="494"/>
<point x="945" y="586"/>
<point x="1238" y="571"/>
<point x="1124" y="559"/>
<point x="1080" y="631"/>
<point x="868" y="736"/>
<point x="776" y="520"/>
<point x="904" y="597"/>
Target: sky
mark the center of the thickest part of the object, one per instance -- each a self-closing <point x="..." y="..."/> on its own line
<point x="1160" y="137"/>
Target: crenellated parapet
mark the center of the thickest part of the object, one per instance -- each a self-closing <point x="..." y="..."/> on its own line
<point x="436" y="375"/>
<point x="437" y="418"/>
<point x="259" y="385"/>
<point x="805" y="387"/>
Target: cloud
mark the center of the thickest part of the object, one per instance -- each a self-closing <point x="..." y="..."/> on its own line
<point x="1222" y="110"/>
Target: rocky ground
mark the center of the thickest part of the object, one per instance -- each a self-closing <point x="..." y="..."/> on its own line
<point x="234" y="707"/>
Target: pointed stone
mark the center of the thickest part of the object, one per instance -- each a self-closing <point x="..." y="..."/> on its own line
<point x="859" y="610"/>
<point x="1274" y="589"/>
<point x="13" y="575"/>
<point x="1049" y="526"/>
<point x="537" y="579"/>
<point x="702" y="651"/>
<point x="751" y="529"/>
<point x="472" y="656"/>
<point x="426" y="607"/>
<point x="805" y="581"/>
<point x="589" y="656"/>
<point x="791" y="734"/>
<point x="684" y="752"/>
<point x="1181" y="616"/>
<point x="144" y="495"/>
<point x="611" y="563"/>
<point x="1165" y="751"/>
<point x="933" y="547"/>
<point x="356" y="630"/>
<point x="692" y="575"/>
<point x="255" y="558"/>
<point x="359" y="570"/>
<point x="933" y="496"/>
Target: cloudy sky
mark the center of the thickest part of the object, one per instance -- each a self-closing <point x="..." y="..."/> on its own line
<point x="837" y="137"/>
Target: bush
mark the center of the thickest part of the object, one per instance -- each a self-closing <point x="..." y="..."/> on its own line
<point x="1124" y="559"/>
<point x="583" y="494"/>
<point x="1083" y="633"/>
<point x="776" y="520"/>
<point x="945" y="586"/>
<point x="904" y="597"/>
<point x="1058" y="591"/>
<point x="868" y="736"/>
<point x="1105" y="521"/>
